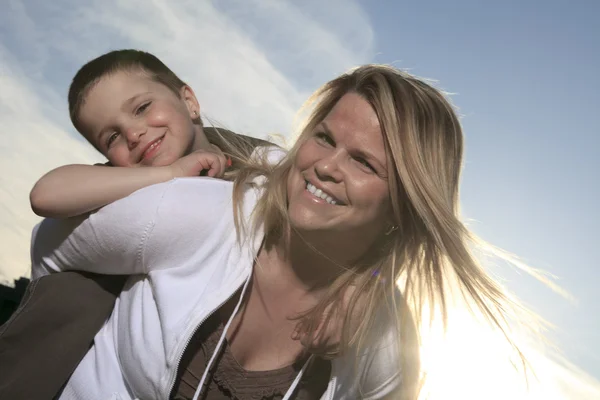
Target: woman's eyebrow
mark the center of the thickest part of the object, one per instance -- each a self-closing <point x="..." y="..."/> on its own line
<point x="323" y="125"/>
<point x="369" y="156"/>
<point x="359" y="151"/>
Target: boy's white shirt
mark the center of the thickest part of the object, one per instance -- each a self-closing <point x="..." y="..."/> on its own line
<point x="178" y="241"/>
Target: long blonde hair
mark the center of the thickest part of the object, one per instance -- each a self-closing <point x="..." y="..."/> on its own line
<point x="424" y="147"/>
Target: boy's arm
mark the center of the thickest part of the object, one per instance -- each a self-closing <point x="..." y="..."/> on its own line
<point x="77" y="189"/>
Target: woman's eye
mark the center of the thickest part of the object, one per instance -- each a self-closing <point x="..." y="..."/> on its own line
<point x="365" y="164"/>
<point x="142" y="108"/>
<point x="113" y="136"/>
<point x="325" y="138"/>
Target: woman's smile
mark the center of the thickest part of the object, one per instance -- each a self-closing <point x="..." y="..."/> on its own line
<point x="320" y="196"/>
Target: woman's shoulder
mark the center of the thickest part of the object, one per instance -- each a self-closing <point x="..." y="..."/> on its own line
<point x="191" y="206"/>
<point x="377" y="370"/>
<point x="192" y="198"/>
<point x="194" y="183"/>
<point x="187" y="193"/>
<point x="192" y="218"/>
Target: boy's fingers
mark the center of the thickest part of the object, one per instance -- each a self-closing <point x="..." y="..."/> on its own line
<point x="219" y="167"/>
<point x="214" y="164"/>
<point x="213" y="168"/>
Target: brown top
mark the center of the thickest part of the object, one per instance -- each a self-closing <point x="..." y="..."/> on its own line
<point x="229" y="380"/>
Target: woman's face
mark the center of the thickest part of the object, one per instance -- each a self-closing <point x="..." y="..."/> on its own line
<point x="135" y="121"/>
<point x="338" y="182"/>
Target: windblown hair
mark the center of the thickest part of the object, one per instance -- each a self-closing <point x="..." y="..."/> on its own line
<point x="424" y="146"/>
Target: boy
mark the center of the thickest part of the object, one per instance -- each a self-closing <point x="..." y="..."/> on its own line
<point x="138" y="113"/>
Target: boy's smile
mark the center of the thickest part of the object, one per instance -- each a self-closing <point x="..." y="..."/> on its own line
<point x="135" y="121"/>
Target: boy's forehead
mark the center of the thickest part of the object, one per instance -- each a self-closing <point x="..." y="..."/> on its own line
<point x="109" y="95"/>
<point x="113" y="90"/>
<point x="120" y="84"/>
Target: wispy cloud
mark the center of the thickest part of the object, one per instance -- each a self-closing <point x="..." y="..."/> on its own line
<point x="251" y="64"/>
<point x="32" y="143"/>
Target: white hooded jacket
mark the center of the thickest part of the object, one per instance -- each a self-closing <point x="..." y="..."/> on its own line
<point x="178" y="241"/>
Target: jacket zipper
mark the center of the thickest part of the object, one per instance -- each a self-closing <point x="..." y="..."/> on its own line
<point x="332" y="388"/>
<point x="189" y="339"/>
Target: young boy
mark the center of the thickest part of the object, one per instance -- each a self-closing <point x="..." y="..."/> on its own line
<point x="138" y="113"/>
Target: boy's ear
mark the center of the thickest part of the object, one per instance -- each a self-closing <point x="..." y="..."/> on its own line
<point x="187" y="95"/>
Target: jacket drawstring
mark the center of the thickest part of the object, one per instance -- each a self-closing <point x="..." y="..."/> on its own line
<point x="292" y="388"/>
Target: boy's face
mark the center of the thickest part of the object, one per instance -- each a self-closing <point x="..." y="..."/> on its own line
<point x="136" y="122"/>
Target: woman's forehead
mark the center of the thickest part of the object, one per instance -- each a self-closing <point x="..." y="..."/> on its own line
<point x="354" y="120"/>
<point x="352" y="113"/>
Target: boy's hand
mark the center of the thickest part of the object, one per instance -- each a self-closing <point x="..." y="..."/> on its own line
<point x="213" y="162"/>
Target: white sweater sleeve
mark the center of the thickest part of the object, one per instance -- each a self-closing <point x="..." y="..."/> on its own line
<point x="149" y="229"/>
<point x="383" y="375"/>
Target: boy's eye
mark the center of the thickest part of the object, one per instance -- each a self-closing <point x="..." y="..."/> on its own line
<point x="113" y="136"/>
<point x="142" y="108"/>
<point x="324" y="138"/>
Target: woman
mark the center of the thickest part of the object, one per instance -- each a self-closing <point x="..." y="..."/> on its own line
<point x="296" y="263"/>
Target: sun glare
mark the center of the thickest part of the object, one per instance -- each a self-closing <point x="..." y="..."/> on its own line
<point x="472" y="362"/>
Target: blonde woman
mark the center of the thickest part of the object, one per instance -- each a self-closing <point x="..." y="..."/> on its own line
<point x="286" y="278"/>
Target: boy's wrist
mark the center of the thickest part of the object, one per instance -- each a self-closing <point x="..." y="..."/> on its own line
<point x="165" y="173"/>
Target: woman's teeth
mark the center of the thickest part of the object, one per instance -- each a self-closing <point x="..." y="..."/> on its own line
<point x="319" y="193"/>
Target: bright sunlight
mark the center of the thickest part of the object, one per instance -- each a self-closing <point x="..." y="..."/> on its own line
<point x="472" y="362"/>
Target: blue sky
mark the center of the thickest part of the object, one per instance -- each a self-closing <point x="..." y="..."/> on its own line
<point x="524" y="76"/>
<point x="526" y="80"/>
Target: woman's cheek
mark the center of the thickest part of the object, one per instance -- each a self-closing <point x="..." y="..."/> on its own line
<point x="301" y="157"/>
<point x="309" y="154"/>
<point x="366" y="191"/>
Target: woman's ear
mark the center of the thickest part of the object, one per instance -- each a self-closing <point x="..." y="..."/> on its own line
<point x="187" y="95"/>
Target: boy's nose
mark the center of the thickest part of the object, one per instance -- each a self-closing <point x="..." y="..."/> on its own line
<point x="133" y="136"/>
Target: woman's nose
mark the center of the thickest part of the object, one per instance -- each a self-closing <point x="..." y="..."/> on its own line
<point x="328" y="167"/>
